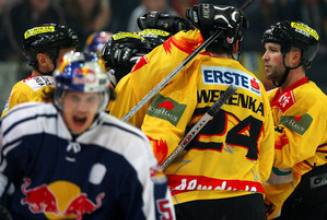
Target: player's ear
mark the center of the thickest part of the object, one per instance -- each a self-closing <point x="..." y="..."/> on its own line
<point x="42" y="59"/>
<point x="296" y="57"/>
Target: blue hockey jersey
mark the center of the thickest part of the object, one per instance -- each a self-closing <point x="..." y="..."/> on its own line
<point x="107" y="172"/>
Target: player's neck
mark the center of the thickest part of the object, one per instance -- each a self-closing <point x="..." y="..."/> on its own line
<point x="293" y="77"/>
<point x="36" y="73"/>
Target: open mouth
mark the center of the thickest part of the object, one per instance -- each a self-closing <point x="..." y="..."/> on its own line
<point x="79" y="120"/>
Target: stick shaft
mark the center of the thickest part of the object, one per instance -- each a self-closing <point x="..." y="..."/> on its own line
<point x="199" y="125"/>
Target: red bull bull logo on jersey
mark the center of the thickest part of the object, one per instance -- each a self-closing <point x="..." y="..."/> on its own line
<point x="167" y="109"/>
<point x="59" y="200"/>
<point x="39" y="199"/>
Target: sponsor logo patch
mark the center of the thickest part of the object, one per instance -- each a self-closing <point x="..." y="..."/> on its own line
<point x="229" y="76"/>
<point x="305" y="30"/>
<point x="38" y="30"/>
<point x="298" y="124"/>
<point x="167" y="109"/>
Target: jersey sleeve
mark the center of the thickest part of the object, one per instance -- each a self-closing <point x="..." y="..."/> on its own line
<point x="168" y="115"/>
<point x="13" y="159"/>
<point x="300" y="131"/>
<point x="300" y="122"/>
<point x="126" y="99"/>
<point x="20" y="93"/>
<point x="150" y="71"/>
<point x="156" y="197"/>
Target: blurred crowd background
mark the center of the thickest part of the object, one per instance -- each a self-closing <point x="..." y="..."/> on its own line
<point x="88" y="16"/>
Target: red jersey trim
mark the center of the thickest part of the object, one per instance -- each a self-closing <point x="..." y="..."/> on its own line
<point x="295" y="85"/>
<point x="181" y="183"/>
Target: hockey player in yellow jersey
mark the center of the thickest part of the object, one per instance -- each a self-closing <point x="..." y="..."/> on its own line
<point x="220" y="174"/>
<point x="297" y="187"/>
<point x="43" y="46"/>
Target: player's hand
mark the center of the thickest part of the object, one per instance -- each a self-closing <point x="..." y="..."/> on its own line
<point x="165" y="22"/>
<point x="207" y="17"/>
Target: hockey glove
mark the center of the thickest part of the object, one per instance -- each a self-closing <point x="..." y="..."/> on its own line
<point x="207" y="18"/>
<point x="123" y="50"/>
<point x="166" y="22"/>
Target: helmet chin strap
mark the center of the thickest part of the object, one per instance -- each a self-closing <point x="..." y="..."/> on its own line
<point x="287" y="71"/>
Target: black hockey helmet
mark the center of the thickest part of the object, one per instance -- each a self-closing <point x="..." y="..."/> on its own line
<point x="47" y="38"/>
<point x="225" y="42"/>
<point x="294" y="34"/>
<point x="154" y="36"/>
<point x="120" y="40"/>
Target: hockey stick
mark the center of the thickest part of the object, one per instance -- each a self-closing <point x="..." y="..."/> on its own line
<point x="164" y="82"/>
<point x="200" y="124"/>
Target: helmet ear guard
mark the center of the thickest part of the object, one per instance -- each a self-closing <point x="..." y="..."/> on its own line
<point x="294" y="34"/>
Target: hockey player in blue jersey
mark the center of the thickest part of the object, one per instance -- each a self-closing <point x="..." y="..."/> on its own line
<point x="69" y="160"/>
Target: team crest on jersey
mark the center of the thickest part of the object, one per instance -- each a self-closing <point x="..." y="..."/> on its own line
<point x="298" y="124"/>
<point x="157" y="175"/>
<point x="229" y="76"/>
<point x="167" y="109"/>
<point x="286" y="101"/>
<point x="54" y="201"/>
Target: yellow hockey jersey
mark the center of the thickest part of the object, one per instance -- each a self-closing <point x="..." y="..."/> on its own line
<point x="233" y="154"/>
<point x="300" y="120"/>
<point x="29" y="89"/>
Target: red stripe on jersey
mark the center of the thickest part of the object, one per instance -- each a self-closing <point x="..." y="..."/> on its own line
<point x="184" y="44"/>
<point x="139" y="64"/>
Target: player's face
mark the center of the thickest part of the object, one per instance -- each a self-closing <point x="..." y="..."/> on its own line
<point x="79" y="110"/>
<point x="273" y="60"/>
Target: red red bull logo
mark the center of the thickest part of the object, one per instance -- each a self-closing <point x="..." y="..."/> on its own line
<point x="39" y="199"/>
<point x="82" y="205"/>
<point x="59" y="200"/>
<point x="84" y="71"/>
<point x="84" y="75"/>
